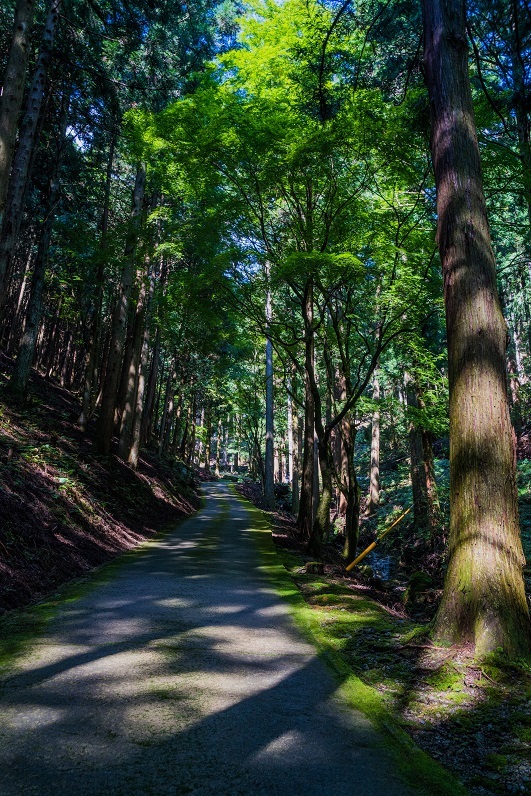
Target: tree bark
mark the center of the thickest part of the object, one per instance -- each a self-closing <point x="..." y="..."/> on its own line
<point x="305" y="515"/>
<point x="16" y="191"/>
<point x="130" y="403"/>
<point x="218" y="447"/>
<point x="293" y="446"/>
<point x="13" y="90"/>
<point x="374" y="477"/>
<point x="521" y="107"/>
<point x="419" y="486"/>
<point x="105" y="425"/>
<point x="191" y="438"/>
<point x="94" y="344"/>
<point x="269" y="475"/>
<point x="352" y="514"/>
<point x="149" y="413"/>
<point x="167" y="411"/>
<point x="134" y="449"/>
<point x="21" y="374"/>
<point x="483" y="600"/>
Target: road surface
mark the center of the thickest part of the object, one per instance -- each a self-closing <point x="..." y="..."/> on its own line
<point x="185" y="675"/>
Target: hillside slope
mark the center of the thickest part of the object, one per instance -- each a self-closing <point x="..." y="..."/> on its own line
<point x="64" y="511"/>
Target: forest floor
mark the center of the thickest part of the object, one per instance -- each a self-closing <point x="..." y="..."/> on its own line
<point x="473" y="717"/>
<point x="64" y="511"/>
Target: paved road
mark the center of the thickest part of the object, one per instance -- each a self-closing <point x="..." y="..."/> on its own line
<point x="185" y="675"/>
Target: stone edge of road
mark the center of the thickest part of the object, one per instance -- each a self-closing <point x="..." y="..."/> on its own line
<point x="415" y="766"/>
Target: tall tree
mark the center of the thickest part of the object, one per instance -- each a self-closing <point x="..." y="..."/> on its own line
<point x="269" y="476"/>
<point x="484" y="600"/>
<point x="119" y="327"/>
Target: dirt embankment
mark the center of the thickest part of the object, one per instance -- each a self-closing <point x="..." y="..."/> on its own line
<point x="64" y="511"/>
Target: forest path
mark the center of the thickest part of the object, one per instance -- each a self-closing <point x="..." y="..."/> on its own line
<point x="185" y="675"/>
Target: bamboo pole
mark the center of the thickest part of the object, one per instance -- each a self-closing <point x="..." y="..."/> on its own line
<point x="371" y="547"/>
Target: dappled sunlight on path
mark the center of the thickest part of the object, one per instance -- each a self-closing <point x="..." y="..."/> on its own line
<point x="184" y="675"/>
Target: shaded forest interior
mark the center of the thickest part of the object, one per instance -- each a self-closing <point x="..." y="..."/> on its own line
<point x="287" y="244"/>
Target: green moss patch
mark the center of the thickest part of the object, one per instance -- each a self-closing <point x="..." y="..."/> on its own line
<point x="335" y="621"/>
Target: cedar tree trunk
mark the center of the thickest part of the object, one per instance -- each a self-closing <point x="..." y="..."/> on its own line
<point x="483" y="601"/>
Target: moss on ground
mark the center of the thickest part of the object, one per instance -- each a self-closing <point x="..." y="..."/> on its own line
<point x="331" y="617"/>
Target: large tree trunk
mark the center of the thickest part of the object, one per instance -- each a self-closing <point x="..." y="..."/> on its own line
<point x="13" y="90"/>
<point x="484" y="600"/>
<point x="16" y="192"/>
<point x="105" y="426"/>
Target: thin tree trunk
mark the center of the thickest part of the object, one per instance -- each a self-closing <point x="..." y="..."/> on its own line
<point x="294" y="451"/>
<point x="130" y="403"/>
<point x="65" y="370"/>
<point x="269" y="475"/>
<point x="126" y="361"/>
<point x="483" y="600"/>
<point x="521" y="98"/>
<point x="419" y="486"/>
<point x="96" y="330"/>
<point x="134" y="450"/>
<point x="208" y="438"/>
<point x="374" y="479"/>
<point x="21" y="374"/>
<point x="352" y="514"/>
<point x="237" y="429"/>
<point x="18" y="317"/>
<point x="218" y="448"/>
<point x="434" y="507"/>
<point x="177" y="428"/>
<point x="323" y="464"/>
<point x="149" y="414"/>
<point x="321" y="525"/>
<point x="49" y="359"/>
<point x="105" y="426"/>
<point x="191" y="448"/>
<point x="224" y="460"/>
<point x="305" y="515"/>
<point x="167" y="411"/>
<point x="289" y="431"/>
